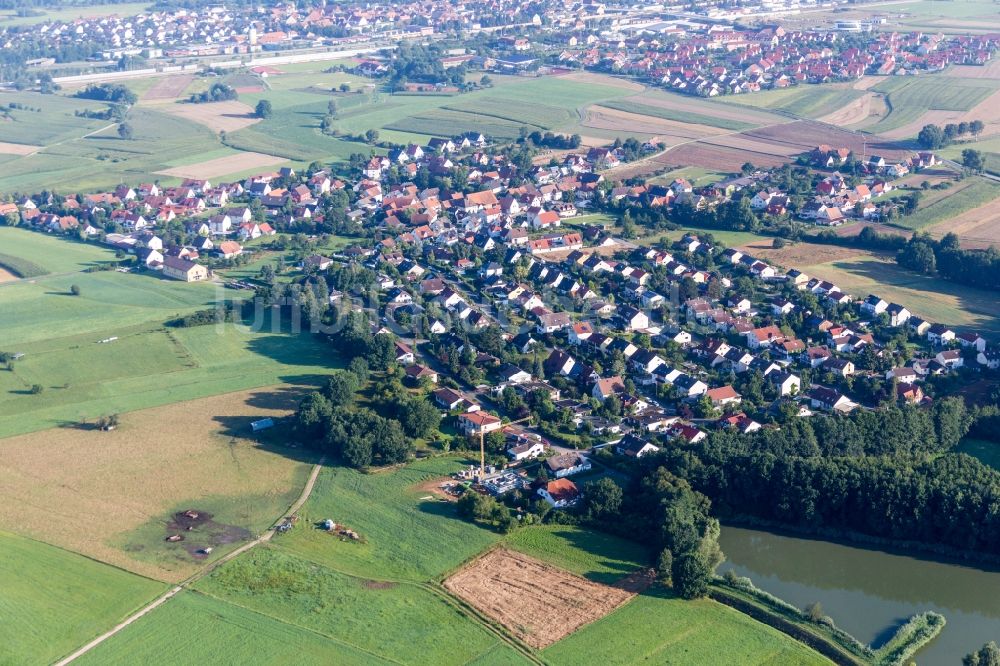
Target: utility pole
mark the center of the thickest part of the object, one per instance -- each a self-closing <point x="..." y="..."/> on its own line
<point x="482" y="446"/>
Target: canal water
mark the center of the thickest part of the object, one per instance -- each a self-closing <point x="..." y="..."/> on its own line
<point x="870" y="593"/>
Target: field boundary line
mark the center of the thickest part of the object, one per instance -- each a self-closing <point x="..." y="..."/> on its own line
<point x="169" y="594"/>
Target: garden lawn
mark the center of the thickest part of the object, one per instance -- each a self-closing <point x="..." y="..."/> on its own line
<point x="53" y="601"/>
<point x="404" y="537"/>
<point x="406" y="623"/>
<point x="192" y="628"/>
<point x="658" y="628"/>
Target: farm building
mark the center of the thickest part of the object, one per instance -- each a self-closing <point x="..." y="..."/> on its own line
<point x="182" y="269"/>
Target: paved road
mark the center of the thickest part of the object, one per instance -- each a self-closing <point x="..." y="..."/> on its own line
<point x="166" y="596"/>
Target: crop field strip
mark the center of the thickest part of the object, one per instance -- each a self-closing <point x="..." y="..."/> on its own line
<point x="676" y="115"/>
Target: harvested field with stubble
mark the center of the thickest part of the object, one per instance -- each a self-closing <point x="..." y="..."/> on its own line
<point x="109" y="495"/>
<point x="794" y="255"/>
<point x="168" y="88"/>
<point x="703" y="107"/>
<point x="670" y="132"/>
<point x="20" y="149"/>
<point x="977" y="228"/>
<point x="537" y="602"/>
<point x="804" y="135"/>
<point x="223" y="166"/>
<point x="216" y="116"/>
<point x="719" y="158"/>
<point x="604" y="80"/>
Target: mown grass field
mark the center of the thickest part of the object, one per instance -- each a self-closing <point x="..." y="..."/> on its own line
<point x="404" y="623"/>
<point x="196" y="629"/>
<point x="656" y="627"/>
<point x="52" y="600"/>
<point x="82" y="155"/>
<point x="933" y="299"/>
<point x="148" y="365"/>
<point x="600" y="557"/>
<point x="54" y="255"/>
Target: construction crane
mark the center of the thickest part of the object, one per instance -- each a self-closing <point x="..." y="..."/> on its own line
<point x="482" y="445"/>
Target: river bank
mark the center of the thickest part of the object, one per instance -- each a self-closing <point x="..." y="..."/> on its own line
<point x="871" y="593"/>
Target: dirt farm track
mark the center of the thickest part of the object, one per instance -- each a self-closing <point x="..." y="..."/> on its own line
<point x="535" y="601"/>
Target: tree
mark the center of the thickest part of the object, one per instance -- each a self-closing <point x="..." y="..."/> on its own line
<point x="690" y="576"/>
<point x="779" y="243"/>
<point x="931" y="137"/>
<point x="665" y="567"/>
<point x="36" y="389"/>
<point x="74" y="289"/>
<point x="345" y="87"/>
<point x="988" y="655"/>
<point x="973" y="159"/>
<point x="357" y="452"/>
<point x="263" y="109"/>
<point x="359" y="368"/>
<point x="125" y="131"/>
<point x="340" y="388"/>
<point x="371" y="136"/>
<point x="419" y="417"/>
<point x="918" y="256"/>
<point x="331" y="107"/>
<point x="976" y="127"/>
<point x="485" y="81"/>
<point x="603" y="499"/>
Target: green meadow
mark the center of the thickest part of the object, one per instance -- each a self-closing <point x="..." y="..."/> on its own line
<point x="656" y="627"/>
<point x="910" y="97"/>
<point x="147" y="364"/>
<point x="52" y="601"/>
<point x="405" y="623"/>
<point x="193" y="628"/>
<point x="808" y="101"/>
<point x="406" y="538"/>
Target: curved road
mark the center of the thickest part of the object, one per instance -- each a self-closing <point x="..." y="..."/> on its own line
<point x="166" y="596"/>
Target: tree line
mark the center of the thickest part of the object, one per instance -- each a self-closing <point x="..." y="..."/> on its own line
<point x="945" y="258"/>
<point x="933" y="136"/>
<point x="887" y="474"/>
<point x="218" y="92"/>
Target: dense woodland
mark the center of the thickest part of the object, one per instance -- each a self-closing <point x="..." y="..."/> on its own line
<point x="886" y="474"/>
